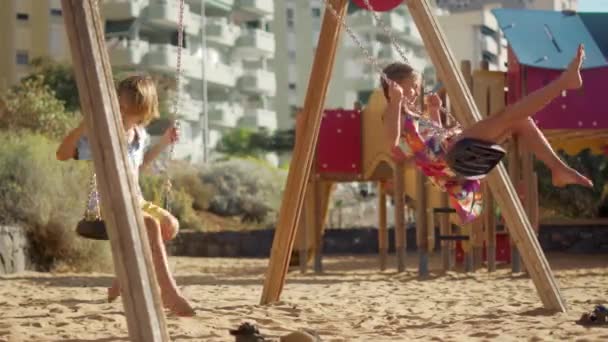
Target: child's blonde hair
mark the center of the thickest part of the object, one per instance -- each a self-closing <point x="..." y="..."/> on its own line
<point x="140" y="97"/>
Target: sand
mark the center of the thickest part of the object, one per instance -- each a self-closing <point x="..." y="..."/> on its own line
<point x="351" y="301"/>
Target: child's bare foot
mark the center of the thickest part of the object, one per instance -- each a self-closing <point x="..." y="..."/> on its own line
<point x="567" y="176"/>
<point x="571" y="78"/>
<point x="179" y="306"/>
<point x="113" y="293"/>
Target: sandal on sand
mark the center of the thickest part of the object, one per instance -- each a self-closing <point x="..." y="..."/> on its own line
<point x="598" y="316"/>
<point x="247" y="332"/>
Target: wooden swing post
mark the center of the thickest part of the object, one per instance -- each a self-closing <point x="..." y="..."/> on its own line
<point x="498" y="180"/>
<point x="121" y="210"/>
<point x="301" y="163"/>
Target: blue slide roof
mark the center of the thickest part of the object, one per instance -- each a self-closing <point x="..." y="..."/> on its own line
<point x="548" y="39"/>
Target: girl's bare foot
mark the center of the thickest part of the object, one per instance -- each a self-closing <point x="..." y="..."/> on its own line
<point x="113" y="292"/>
<point x="179" y="306"/>
<point x="569" y="176"/>
<point x="571" y="78"/>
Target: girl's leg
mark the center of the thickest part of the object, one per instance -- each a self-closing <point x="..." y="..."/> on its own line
<point x="498" y="125"/>
<point x="114" y="290"/>
<point x="534" y="140"/>
<point x="172" y="299"/>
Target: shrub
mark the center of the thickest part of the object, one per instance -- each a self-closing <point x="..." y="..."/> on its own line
<point x="48" y="197"/>
<point x="32" y="106"/>
<point x="180" y="202"/>
<point x="249" y="188"/>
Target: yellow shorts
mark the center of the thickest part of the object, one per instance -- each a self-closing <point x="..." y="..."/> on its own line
<point x="153" y="210"/>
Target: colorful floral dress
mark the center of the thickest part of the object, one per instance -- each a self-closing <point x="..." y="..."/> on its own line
<point x="420" y="142"/>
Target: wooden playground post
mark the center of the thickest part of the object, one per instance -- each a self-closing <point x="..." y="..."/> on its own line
<point x="319" y="222"/>
<point x="500" y="185"/>
<point x="400" y="226"/>
<point x="121" y="210"/>
<point x="382" y="227"/>
<point x="422" y="225"/>
<point x="514" y="172"/>
<point x="302" y="234"/>
<point x="295" y="187"/>
<point x="474" y="260"/>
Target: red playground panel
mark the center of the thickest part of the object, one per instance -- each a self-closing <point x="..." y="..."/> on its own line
<point x="339" y="148"/>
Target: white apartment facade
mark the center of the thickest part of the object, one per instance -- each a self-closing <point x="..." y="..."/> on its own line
<point x="226" y="60"/>
<point x="352" y="79"/>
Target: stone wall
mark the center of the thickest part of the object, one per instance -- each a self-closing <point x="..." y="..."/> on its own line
<point x="583" y="239"/>
<point x="13" y="250"/>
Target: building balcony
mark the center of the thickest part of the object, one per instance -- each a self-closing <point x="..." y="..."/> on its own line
<point x="162" y="57"/>
<point x="259" y="82"/>
<point x="254" y="44"/>
<point x="224" y="115"/>
<point x="128" y="52"/>
<point x="122" y="9"/>
<point x="365" y="21"/>
<point x="166" y="14"/>
<point x="188" y="109"/>
<point x="489" y="44"/>
<point x="259" y="7"/>
<point x="257" y="118"/>
<point x="220" y="31"/>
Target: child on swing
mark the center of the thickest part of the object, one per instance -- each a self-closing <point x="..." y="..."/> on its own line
<point x="409" y="136"/>
<point x="138" y="101"/>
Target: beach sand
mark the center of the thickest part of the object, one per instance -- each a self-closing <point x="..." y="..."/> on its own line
<point x="351" y="301"/>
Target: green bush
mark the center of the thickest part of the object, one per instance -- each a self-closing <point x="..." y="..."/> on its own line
<point x="32" y="106"/>
<point x="180" y="201"/>
<point x="48" y="197"/>
<point x="249" y="188"/>
<point x="575" y="201"/>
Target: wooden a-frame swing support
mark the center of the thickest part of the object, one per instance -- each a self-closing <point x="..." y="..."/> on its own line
<point x="466" y="112"/>
<point x="121" y="210"/>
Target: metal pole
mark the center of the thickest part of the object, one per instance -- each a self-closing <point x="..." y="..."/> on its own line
<point x="205" y="104"/>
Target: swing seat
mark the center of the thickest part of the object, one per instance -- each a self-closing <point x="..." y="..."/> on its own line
<point x="95" y="230"/>
<point x="473" y="158"/>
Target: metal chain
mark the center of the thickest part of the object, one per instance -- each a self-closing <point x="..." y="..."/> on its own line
<point x="441" y="131"/>
<point x="93" y="211"/>
<point x="180" y="42"/>
<point x="395" y="44"/>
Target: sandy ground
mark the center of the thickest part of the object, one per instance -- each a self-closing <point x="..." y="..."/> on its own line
<point x="351" y="301"/>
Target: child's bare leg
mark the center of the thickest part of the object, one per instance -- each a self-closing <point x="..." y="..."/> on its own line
<point x="169" y="228"/>
<point x="496" y="126"/>
<point x="172" y="299"/>
<point x="535" y="140"/>
<point x="114" y="290"/>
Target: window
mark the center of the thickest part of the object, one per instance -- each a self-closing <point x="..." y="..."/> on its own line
<point x="56" y="12"/>
<point x="290" y="18"/>
<point x="292" y="55"/>
<point x="22" y="58"/>
<point x="316" y="12"/>
<point x="292" y="86"/>
<point x="23" y="17"/>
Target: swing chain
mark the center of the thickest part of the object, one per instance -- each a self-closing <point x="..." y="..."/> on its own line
<point x="441" y="131"/>
<point x="93" y="211"/>
<point x="180" y="42"/>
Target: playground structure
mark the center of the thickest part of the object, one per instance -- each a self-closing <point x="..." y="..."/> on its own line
<point x="351" y="148"/>
<point x="587" y="129"/>
<point x="467" y="113"/>
<point x="140" y="295"/>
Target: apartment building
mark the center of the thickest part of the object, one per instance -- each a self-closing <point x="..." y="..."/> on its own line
<point x="29" y="29"/>
<point x="298" y="24"/>
<point x="226" y="62"/>
<point x="455" y="6"/>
